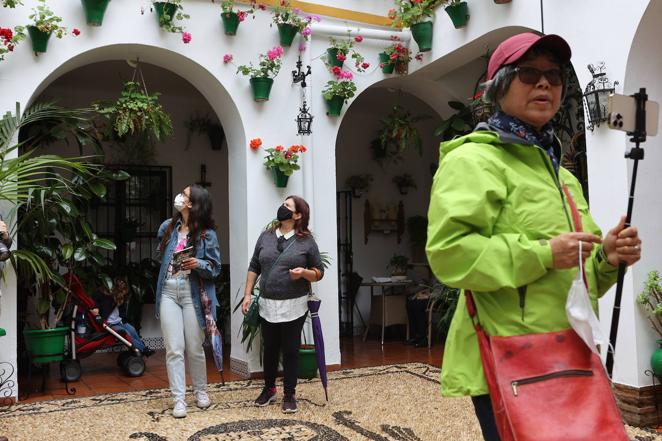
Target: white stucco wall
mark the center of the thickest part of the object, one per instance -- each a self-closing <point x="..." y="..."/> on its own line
<point x="595" y="31"/>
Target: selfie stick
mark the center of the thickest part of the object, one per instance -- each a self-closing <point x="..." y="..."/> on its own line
<point x="636" y="153"/>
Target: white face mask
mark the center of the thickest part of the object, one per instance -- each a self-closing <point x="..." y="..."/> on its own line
<point x="180" y="202"/>
<point x="580" y="311"/>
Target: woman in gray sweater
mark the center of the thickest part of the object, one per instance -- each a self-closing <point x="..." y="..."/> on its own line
<point x="288" y="259"/>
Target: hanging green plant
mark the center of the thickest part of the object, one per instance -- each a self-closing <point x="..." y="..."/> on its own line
<point x="458" y="124"/>
<point x="397" y="134"/>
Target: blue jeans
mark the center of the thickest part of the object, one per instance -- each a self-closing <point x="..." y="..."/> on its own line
<point x="135" y="338"/>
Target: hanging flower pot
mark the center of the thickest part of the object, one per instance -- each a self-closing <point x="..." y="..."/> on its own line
<point x="334" y="105"/>
<point x="386" y="63"/>
<point x="307" y="362"/>
<point x="656" y="360"/>
<point x="163" y="9"/>
<point x="422" y="33"/>
<point x="46" y="345"/>
<point x="280" y="178"/>
<point x="459" y="14"/>
<point x="332" y="57"/>
<point x="39" y="39"/>
<point x="287" y="32"/>
<point x="261" y="88"/>
<point x="230" y="22"/>
<point x="94" y="11"/>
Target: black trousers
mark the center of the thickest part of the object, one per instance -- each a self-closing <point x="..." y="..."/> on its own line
<point x="418" y="317"/>
<point x="282" y="338"/>
<point x="485" y="415"/>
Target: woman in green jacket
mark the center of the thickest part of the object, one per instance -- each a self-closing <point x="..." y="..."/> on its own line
<point x="499" y="224"/>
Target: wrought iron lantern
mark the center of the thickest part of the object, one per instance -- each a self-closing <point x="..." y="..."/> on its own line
<point x="304" y="120"/>
<point x="596" y="96"/>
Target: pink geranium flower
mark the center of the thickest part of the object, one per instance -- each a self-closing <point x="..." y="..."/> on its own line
<point x="358" y="38"/>
<point x="306" y="31"/>
<point x="186" y="37"/>
<point x="275" y="52"/>
<point x="227" y="58"/>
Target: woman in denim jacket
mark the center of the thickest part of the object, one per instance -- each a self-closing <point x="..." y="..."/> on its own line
<point x="178" y="303"/>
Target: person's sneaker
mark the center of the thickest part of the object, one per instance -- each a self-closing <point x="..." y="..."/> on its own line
<point x="266" y="397"/>
<point x="289" y="403"/>
<point x="179" y="411"/>
<point x="202" y="399"/>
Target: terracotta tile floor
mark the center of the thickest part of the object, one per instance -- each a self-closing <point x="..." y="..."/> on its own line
<point x="101" y="374"/>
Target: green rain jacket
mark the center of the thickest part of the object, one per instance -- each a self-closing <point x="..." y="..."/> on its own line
<point x="495" y="203"/>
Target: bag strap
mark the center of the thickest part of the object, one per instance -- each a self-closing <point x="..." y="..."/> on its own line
<point x="266" y="279"/>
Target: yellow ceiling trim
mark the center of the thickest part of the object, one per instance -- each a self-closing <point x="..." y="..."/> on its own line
<point x="331" y="11"/>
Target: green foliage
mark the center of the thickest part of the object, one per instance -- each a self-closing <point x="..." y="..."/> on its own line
<point x="285" y="14"/>
<point x="398" y="264"/>
<point x="268" y="66"/>
<point x="9" y="39"/>
<point x="166" y="21"/>
<point x="284" y="160"/>
<point x="458" y="124"/>
<point x="346" y="46"/>
<point x="396" y="135"/>
<point x="342" y="88"/>
<point x="46" y="20"/>
<point x="137" y="113"/>
<point x="410" y="12"/>
<point x="11" y="3"/>
<point x="651" y="300"/>
<point x="444" y="299"/>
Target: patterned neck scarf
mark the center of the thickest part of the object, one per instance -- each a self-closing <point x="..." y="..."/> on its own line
<point x="543" y="138"/>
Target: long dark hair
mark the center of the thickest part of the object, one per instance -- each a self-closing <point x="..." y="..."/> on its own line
<point x="301" y="224"/>
<point x="199" y="217"/>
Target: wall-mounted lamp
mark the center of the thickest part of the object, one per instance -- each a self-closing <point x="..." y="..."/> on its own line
<point x="596" y="96"/>
<point x="304" y="120"/>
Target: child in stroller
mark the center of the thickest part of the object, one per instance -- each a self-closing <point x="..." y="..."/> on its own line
<point x="98" y="335"/>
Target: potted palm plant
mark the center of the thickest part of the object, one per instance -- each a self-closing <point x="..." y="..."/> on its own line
<point x="337" y="92"/>
<point x="44" y="24"/>
<point x="262" y="76"/>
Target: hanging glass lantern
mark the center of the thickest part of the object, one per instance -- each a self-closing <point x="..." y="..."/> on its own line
<point x="304" y="120"/>
<point x="596" y="96"/>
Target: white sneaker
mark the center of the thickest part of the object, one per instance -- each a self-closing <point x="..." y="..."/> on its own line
<point x="179" y="411"/>
<point x="202" y="399"/>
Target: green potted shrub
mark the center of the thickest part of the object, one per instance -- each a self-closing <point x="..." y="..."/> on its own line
<point x="458" y="124"/>
<point x="404" y="182"/>
<point x="44" y="24"/>
<point x="231" y="17"/>
<point x="262" y="76"/>
<point x="205" y="125"/>
<point x="398" y="266"/>
<point x="415" y="15"/>
<point x="395" y="57"/>
<point x="283" y="162"/>
<point x="9" y="38"/>
<point x="458" y="11"/>
<point x="340" y="49"/>
<point x="417" y="229"/>
<point x="169" y="11"/>
<point x="289" y="23"/>
<point x="359" y="184"/>
<point x="138" y="114"/>
<point x="337" y="92"/>
<point x="94" y="11"/>
<point x="651" y="301"/>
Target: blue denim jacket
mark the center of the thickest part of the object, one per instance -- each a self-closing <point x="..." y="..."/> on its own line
<point x="209" y="267"/>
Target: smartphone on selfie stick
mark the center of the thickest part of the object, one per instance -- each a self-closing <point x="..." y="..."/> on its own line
<point x="637" y="116"/>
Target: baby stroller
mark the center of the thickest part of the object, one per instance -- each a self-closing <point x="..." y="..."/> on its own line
<point x="98" y="335"/>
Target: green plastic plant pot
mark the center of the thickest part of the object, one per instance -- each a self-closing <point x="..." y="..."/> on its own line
<point x="280" y="178"/>
<point x="656" y="360"/>
<point x="459" y="14"/>
<point x="422" y="33"/>
<point x="2" y="332"/>
<point x="46" y="345"/>
<point x="163" y="8"/>
<point x="39" y="39"/>
<point x="307" y="362"/>
<point x="261" y="88"/>
<point x="94" y="11"/>
<point x="334" y="105"/>
<point x="230" y="22"/>
<point x="332" y="57"/>
<point x="387" y="64"/>
<point x="286" y="33"/>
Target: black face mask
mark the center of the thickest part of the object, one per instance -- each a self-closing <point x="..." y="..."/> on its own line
<point x="284" y="213"/>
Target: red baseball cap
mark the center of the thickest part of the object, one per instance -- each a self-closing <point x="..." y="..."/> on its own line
<point x="514" y="48"/>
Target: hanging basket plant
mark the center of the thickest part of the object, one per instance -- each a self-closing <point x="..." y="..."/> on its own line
<point x="137" y="119"/>
<point x="458" y="11"/>
<point x="94" y="11"/>
<point x="44" y="24"/>
<point x="397" y="134"/>
<point x="262" y="75"/>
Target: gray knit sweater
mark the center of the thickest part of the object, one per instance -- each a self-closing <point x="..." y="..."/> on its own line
<point x="276" y="283"/>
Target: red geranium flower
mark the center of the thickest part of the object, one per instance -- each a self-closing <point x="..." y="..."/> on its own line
<point x="288" y="155"/>
<point x="358" y="38"/>
<point x="279" y="148"/>
<point x="365" y="65"/>
<point x="76" y="32"/>
<point x="256" y="143"/>
<point x="341" y="56"/>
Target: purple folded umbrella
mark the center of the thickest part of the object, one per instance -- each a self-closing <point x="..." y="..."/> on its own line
<point x="314" y="306"/>
<point x="215" y="338"/>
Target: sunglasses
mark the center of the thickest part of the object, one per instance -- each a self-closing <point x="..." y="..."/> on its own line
<point x="531" y="75"/>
